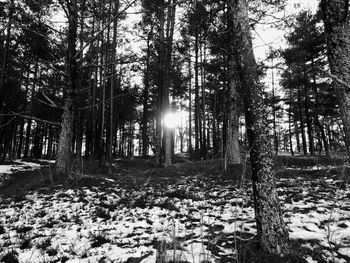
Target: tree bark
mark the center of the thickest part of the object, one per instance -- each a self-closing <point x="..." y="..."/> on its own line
<point x="232" y="142"/>
<point x="64" y="151"/>
<point x="112" y="87"/>
<point x="272" y="233"/>
<point x="167" y="66"/>
<point x="337" y="32"/>
<point x="196" y="97"/>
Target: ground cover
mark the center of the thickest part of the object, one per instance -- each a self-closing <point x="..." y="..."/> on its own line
<point x="190" y="212"/>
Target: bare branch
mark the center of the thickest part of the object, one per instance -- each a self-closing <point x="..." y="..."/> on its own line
<point x="52" y="104"/>
<point x="7" y="123"/>
<point x="104" y="28"/>
<point x="32" y="118"/>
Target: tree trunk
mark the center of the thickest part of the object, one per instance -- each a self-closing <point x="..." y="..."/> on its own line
<point x="310" y="131"/>
<point x="196" y="97"/>
<point x="302" y="129"/>
<point x="5" y="56"/>
<point x="64" y="151"/>
<point x="337" y="31"/>
<point x="112" y="87"/>
<point x="275" y="137"/>
<point x="232" y="144"/>
<point x="271" y="230"/>
<point x="168" y="48"/>
<point x="204" y="139"/>
<point x="145" y="98"/>
<point x="190" y="150"/>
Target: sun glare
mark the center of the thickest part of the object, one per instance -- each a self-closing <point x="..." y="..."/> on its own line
<point x="171" y="120"/>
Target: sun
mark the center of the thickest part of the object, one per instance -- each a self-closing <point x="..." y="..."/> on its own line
<point x="171" y="120"/>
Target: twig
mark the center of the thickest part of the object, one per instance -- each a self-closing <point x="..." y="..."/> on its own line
<point x="104" y="28"/>
<point x="7" y="123"/>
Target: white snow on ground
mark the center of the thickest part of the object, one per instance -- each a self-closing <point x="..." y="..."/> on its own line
<point x="17" y="165"/>
<point x="116" y="222"/>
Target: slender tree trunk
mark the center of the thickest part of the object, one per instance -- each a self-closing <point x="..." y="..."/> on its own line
<point x="296" y="131"/>
<point x="310" y="131"/>
<point x="190" y="148"/>
<point x="301" y="119"/>
<point x="271" y="229"/>
<point x="196" y="97"/>
<point x="161" y="82"/>
<point x="21" y="132"/>
<point x="203" y="78"/>
<point x="145" y="144"/>
<point x="112" y="87"/>
<point x="215" y="136"/>
<point x="290" y="124"/>
<point x="275" y="137"/>
<point x="29" y="124"/>
<point x="64" y="152"/>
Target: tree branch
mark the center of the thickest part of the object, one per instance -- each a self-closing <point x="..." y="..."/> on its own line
<point x="103" y="29"/>
<point x="32" y="118"/>
<point x="340" y="81"/>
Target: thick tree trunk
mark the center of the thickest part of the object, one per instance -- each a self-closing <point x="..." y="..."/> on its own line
<point x="337" y="32"/>
<point x="271" y="229"/>
<point x="167" y="66"/>
<point x="64" y="151"/>
<point x="232" y="144"/>
<point x="5" y="56"/>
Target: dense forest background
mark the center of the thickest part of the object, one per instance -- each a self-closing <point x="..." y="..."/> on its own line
<point x="130" y="73"/>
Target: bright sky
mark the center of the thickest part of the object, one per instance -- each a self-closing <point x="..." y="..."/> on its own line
<point x="267" y="36"/>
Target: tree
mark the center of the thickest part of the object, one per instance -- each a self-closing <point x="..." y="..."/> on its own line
<point x="337" y="31"/>
<point x="271" y="230"/>
<point x="64" y="152"/>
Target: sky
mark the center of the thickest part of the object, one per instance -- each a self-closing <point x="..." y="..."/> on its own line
<point x="266" y="37"/>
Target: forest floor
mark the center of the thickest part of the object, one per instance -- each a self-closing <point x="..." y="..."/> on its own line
<point x="189" y="212"/>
